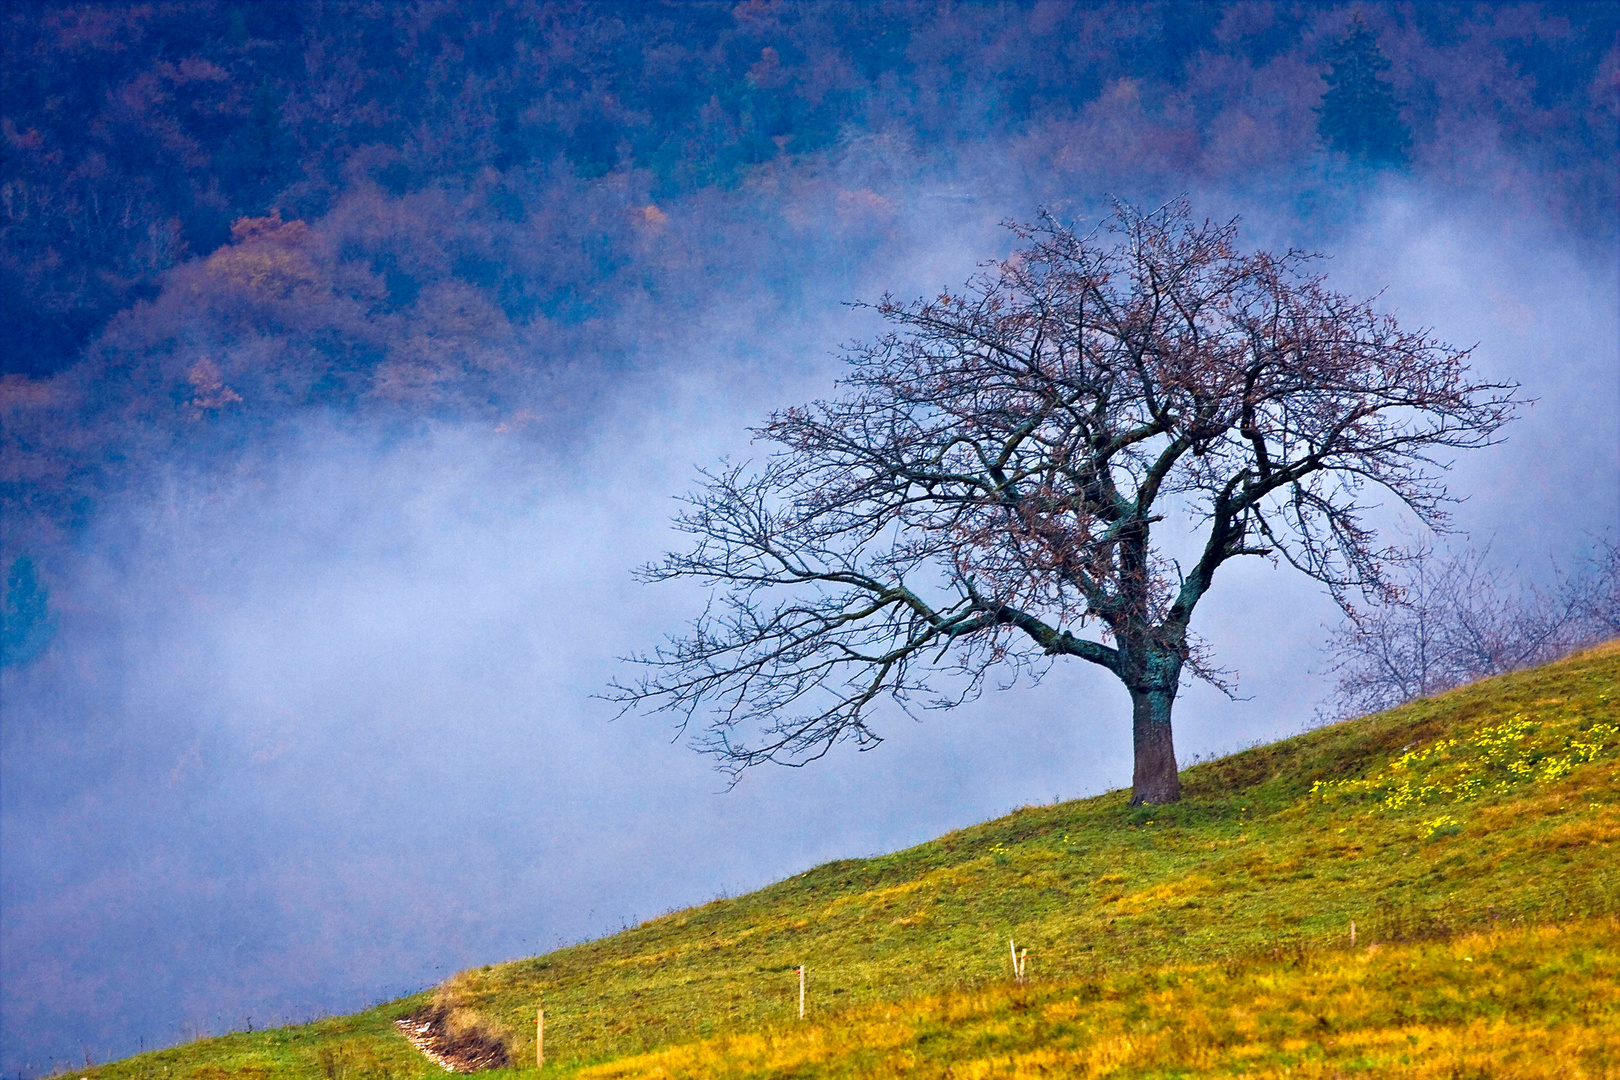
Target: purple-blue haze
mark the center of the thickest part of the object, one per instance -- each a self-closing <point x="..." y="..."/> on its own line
<point x="338" y="512"/>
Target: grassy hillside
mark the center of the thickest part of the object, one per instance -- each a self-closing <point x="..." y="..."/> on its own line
<point x="1471" y="837"/>
<point x="1520" y="1002"/>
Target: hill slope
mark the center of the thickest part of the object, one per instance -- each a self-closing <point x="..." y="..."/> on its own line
<point x="1471" y="837"/>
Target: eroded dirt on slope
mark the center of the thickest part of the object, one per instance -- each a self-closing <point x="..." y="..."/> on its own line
<point x="428" y="1030"/>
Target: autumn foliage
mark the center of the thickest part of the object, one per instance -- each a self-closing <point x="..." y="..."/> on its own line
<point x="441" y="208"/>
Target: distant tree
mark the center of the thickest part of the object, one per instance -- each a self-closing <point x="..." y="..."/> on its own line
<point x="259" y="158"/>
<point x="1359" y="115"/>
<point x="1594" y="593"/>
<point x="26" y="626"/>
<point x="988" y="492"/>
<point x="1454" y="620"/>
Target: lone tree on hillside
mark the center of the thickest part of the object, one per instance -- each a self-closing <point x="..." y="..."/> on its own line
<point x="989" y="490"/>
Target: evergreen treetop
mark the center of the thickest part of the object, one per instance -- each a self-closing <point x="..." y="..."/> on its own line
<point x="1359" y="115"/>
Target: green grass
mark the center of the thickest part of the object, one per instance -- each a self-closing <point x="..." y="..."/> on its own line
<point x="1493" y="809"/>
<point x="362" y="1045"/>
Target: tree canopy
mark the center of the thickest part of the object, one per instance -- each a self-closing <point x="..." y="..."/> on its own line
<point x="992" y="489"/>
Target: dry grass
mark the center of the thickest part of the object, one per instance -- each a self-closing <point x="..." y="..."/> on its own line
<point x="1522" y="1002"/>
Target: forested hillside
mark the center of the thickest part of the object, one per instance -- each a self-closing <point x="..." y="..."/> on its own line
<point x="215" y="215"/>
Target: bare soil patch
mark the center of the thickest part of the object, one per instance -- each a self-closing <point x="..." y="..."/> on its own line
<point x="428" y="1030"/>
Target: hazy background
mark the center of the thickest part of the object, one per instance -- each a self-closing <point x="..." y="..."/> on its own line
<point x="317" y="728"/>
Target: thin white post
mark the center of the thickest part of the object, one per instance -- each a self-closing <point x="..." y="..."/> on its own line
<point x="1352" y="933"/>
<point x="801" y="991"/>
<point x="1014" y="950"/>
<point x="540" y="1038"/>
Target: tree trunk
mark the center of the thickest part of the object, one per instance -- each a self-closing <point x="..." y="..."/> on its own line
<point x="1154" y="779"/>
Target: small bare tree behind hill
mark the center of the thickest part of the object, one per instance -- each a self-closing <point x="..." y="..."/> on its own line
<point x="1456" y="620"/>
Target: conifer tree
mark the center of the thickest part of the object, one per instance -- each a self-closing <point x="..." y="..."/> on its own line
<point x="26" y="626"/>
<point x="1359" y="115"/>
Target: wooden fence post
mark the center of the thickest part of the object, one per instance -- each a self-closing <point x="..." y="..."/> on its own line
<point x="540" y="1038"/>
<point x="801" y="991"/>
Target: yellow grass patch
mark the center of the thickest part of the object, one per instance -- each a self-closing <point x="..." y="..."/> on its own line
<point x="1445" y="1009"/>
<point x="876" y="898"/>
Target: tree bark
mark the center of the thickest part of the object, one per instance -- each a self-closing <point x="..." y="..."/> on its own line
<point x="1154" y="779"/>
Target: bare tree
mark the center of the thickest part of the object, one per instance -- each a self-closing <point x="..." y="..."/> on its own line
<point x="986" y="493"/>
<point x="1453" y="620"/>
<point x="1593" y="594"/>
